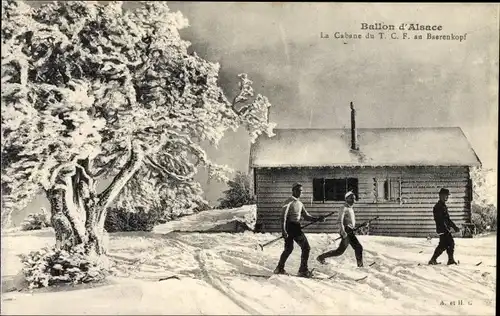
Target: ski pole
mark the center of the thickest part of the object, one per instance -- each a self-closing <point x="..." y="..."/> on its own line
<point x="278" y="238"/>
<point x="362" y="225"/>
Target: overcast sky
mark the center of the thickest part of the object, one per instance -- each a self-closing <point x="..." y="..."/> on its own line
<point x="393" y="83"/>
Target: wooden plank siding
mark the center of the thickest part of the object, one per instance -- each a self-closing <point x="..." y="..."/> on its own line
<point x="410" y="216"/>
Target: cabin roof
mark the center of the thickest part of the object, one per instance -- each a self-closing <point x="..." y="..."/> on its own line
<point x="444" y="146"/>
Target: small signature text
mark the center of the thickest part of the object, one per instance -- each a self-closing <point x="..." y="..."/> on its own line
<point x="455" y="303"/>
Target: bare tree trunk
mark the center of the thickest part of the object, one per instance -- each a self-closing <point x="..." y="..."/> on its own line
<point x="65" y="231"/>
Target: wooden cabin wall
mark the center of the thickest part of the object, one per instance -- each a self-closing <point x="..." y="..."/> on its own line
<point x="411" y="216"/>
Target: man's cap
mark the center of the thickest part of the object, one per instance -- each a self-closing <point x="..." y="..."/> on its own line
<point x="348" y="194"/>
<point x="296" y="185"/>
<point x="444" y="191"/>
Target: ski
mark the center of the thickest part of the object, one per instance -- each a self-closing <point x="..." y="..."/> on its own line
<point x="361" y="279"/>
<point x="444" y="264"/>
<point x="354" y="278"/>
<point x="439" y="264"/>
<point x="267" y="276"/>
<point x="436" y="264"/>
<point x="357" y="278"/>
<point x="169" y="278"/>
<point x="472" y="264"/>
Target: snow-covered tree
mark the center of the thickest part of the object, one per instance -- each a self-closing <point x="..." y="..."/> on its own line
<point x="484" y="204"/>
<point x="239" y="192"/>
<point x="91" y="91"/>
<point x="484" y="186"/>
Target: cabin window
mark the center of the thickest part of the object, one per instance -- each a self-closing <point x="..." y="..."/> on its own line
<point x="333" y="189"/>
<point x="388" y="189"/>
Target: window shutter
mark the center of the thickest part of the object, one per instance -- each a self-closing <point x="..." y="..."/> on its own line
<point x="352" y="185"/>
<point x="389" y="190"/>
<point x="380" y="189"/>
<point x="469" y="190"/>
<point x="395" y="189"/>
<point x="318" y="189"/>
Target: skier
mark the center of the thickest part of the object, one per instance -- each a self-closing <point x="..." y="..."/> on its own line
<point x="292" y="231"/>
<point x="443" y="225"/>
<point x="347" y="225"/>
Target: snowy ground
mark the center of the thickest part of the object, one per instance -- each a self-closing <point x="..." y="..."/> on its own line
<point x="215" y="269"/>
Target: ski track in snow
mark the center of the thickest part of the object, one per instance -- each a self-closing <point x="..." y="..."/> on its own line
<point x="391" y="277"/>
<point x="202" y="257"/>
<point x="395" y="284"/>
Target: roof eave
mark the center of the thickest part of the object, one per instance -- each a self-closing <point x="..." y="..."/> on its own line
<point x="476" y="164"/>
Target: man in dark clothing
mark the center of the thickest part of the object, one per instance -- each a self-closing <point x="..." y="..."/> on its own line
<point x="292" y="231"/>
<point x="443" y="226"/>
<point x="347" y="227"/>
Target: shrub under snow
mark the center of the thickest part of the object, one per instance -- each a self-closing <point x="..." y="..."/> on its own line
<point x="49" y="266"/>
<point x="36" y="221"/>
<point x="121" y="220"/>
<point x="484" y="217"/>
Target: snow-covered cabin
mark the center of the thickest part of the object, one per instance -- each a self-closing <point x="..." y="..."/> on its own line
<point x="396" y="174"/>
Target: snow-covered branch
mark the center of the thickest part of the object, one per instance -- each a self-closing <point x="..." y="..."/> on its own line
<point x="120" y="180"/>
<point x="246" y="91"/>
<point x="166" y="172"/>
<point x="68" y="169"/>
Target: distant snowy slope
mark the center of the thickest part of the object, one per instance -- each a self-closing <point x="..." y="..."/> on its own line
<point x="208" y="220"/>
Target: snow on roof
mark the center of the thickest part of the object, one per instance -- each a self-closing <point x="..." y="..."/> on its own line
<point x="444" y="146"/>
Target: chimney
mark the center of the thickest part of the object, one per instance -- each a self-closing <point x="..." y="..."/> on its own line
<point x="354" y="132"/>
